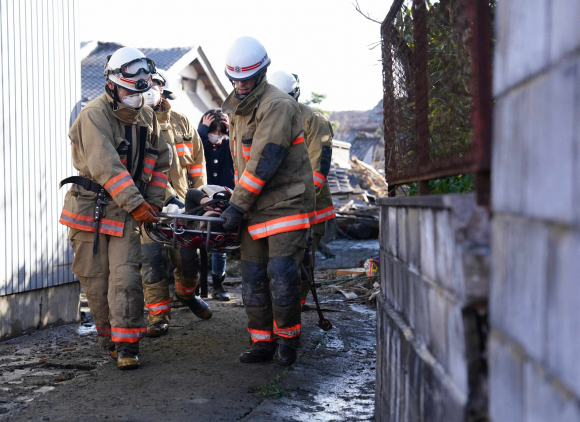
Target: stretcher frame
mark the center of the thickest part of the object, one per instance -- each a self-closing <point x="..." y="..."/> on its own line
<point x="178" y="228"/>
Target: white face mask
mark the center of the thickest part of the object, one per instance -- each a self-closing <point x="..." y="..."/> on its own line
<point x="214" y="139"/>
<point x="152" y="97"/>
<point x="133" y="101"/>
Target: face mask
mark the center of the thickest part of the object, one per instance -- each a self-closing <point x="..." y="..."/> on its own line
<point x="133" y="101"/>
<point x="214" y="139"/>
<point x="152" y="97"/>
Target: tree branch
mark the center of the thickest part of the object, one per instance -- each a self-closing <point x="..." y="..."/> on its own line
<point x="367" y="15"/>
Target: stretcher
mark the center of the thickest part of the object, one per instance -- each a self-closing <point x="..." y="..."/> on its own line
<point x="177" y="230"/>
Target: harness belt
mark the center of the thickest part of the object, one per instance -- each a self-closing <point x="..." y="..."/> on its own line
<point x="101" y="201"/>
<point x="83" y="182"/>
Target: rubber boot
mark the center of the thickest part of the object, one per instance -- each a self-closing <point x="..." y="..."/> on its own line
<point x="198" y="307"/>
<point x="285" y="355"/>
<point x="127" y="360"/>
<point x="157" y="329"/>
<point x="261" y="351"/>
<point x="217" y="291"/>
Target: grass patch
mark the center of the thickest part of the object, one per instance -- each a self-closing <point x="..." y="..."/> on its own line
<point x="271" y="390"/>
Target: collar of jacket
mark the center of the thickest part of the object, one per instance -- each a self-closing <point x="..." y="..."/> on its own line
<point x="234" y="106"/>
<point x="163" y="117"/>
<point x="125" y="114"/>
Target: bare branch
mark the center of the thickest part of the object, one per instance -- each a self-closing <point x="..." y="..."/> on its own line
<point x="367" y="15"/>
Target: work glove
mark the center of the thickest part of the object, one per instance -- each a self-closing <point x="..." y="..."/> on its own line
<point x="233" y="216"/>
<point x="145" y="213"/>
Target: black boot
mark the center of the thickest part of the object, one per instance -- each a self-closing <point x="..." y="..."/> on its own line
<point x="198" y="307"/>
<point x="261" y="351"/>
<point x="217" y="291"/>
<point x="285" y="355"/>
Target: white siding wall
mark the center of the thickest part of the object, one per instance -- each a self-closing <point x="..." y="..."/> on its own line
<point x="39" y="98"/>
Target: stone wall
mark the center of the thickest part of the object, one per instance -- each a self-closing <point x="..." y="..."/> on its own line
<point x="535" y="283"/>
<point x="431" y="321"/>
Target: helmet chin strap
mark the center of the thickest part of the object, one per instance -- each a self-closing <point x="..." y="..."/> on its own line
<point x="115" y="98"/>
<point x="256" y="83"/>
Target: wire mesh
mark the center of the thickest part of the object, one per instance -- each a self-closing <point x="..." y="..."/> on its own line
<point x="428" y="97"/>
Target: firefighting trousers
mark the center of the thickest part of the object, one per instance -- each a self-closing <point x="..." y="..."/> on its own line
<point x="271" y="285"/>
<point x="112" y="283"/>
<point x="185" y="262"/>
<point x="317" y="234"/>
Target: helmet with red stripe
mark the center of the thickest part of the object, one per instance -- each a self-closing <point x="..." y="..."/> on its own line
<point x="246" y="58"/>
<point x="128" y="68"/>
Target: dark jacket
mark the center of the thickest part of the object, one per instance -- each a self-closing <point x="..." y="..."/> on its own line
<point x="218" y="159"/>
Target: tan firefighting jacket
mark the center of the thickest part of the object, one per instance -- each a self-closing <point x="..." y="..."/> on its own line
<point x="187" y="152"/>
<point x="272" y="169"/>
<point x="318" y="133"/>
<point x="104" y="144"/>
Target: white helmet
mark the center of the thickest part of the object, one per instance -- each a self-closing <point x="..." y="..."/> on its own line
<point x="129" y="68"/>
<point x="162" y="77"/>
<point x="287" y="82"/>
<point x="246" y="58"/>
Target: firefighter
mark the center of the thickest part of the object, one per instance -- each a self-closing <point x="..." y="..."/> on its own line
<point x="122" y="158"/>
<point x="187" y="170"/>
<point x="272" y="203"/>
<point x="318" y="133"/>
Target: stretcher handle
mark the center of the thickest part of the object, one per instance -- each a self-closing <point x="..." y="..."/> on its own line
<point x="218" y="220"/>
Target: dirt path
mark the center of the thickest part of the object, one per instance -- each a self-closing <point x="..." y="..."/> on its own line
<point x="194" y="373"/>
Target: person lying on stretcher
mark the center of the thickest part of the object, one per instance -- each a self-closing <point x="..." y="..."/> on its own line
<point x="208" y="201"/>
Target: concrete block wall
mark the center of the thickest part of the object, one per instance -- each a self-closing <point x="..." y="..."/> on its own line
<point x="432" y="309"/>
<point x="535" y="284"/>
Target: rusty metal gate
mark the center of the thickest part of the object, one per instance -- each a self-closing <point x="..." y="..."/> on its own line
<point x="437" y="91"/>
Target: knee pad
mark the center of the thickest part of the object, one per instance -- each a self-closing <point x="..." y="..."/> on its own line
<point x="152" y="263"/>
<point x="254" y="284"/>
<point x="284" y="280"/>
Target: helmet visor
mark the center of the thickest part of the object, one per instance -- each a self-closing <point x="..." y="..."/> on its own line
<point x="135" y="67"/>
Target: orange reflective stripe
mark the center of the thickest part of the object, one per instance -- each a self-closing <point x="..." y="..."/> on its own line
<point x="158" y="308"/>
<point x="261" y="335"/>
<point x="196" y="170"/>
<point x="185" y="290"/>
<point x="299" y="139"/>
<point x="251" y="183"/>
<point x="325" y="214"/>
<point x="149" y="165"/>
<point x="127" y="335"/>
<point x="281" y="225"/>
<point x="236" y="177"/>
<point x="115" y="179"/>
<point x="83" y="222"/>
<point x="319" y="179"/>
<point x="158" y="179"/>
<point x="103" y="331"/>
<point x="288" y="332"/>
<point x="118" y="183"/>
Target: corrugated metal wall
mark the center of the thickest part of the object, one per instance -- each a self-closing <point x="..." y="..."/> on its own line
<point x="39" y="97"/>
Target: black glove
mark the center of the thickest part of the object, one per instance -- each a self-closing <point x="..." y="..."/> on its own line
<point x="233" y="216"/>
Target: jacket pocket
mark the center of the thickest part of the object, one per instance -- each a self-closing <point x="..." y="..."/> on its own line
<point x="184" y="147"/>
<point x="149" y="164"/>
<point x="246" y="147"/>
<point x="291" y="193"/>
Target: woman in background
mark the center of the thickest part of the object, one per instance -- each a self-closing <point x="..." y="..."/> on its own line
<point x="213" y="130"/>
